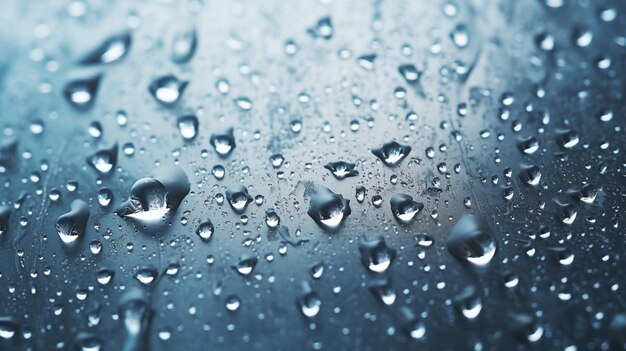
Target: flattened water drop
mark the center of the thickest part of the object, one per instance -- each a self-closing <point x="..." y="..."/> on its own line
<point x="392" y="153"/>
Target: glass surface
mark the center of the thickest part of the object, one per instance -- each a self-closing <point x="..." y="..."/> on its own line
<point x="335" y="175"/>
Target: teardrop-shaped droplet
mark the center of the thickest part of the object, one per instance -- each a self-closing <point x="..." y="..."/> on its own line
<point x="246" y="264"/>
<point x="111" y="50"/>
<point x="410" y="74"/>
<point x="81" y="93"/>
<point x="460" y="36"/>
<point x="531" y="175"/>
<point x="382" y="289"/>
<point x="468" y="302"/>
<point x="376" y="255"/>
<point x="526" y="327"/>
<point x="309" y="302"/>
<point x="322" y="29"/>
<point x="184" y="46"/>
<point x="471" y="241"/>
<point x="136" y="316"/>
<point x="70" y="226"/>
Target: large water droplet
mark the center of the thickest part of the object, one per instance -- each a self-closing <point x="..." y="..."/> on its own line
<point x="404" y="208"/>
<point x="184" y="46"/>
<point x="70" y="226"/>
<point x="167" y="90"/>
<point x="238" y="198"/>
<point x="468" y="302"/>
<point x="328" y="209"/>
<point x="111" y="50"/>
<point x="246" y="264"/>
<point x="309" y="302"/>
<point x="381" y="288"/>
<point x="104" y="160"/>
<point x="471" y="240"/>
<point x="81" y="93"/>
<point x="376" y="256"/>
<point x="205" y="230"/>
<point x="188" y="126"/>
<point x="153" y="198"/>
<point x="392" y="153"/>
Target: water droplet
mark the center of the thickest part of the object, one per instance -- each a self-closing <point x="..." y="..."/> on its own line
<point x="80" y="93"/>
<point x="153" y="198"/>
<point x="317" y="270"/>
<point x="410" y="73"/>
<point x="471" y="240"/>
<point x="238" y="198"/>
<point x="381" y="288"/>
<point x="188" y="126"/>
<point x="376" y="256"/>
<point x="328" y="209"/>
<point x="587" y="194"/>
<point x="8" y="328"/>
<point x="167" y="90"/>
<point x="111" y="50"/>
<point x="105" y="196"/>
<point x="146" y="275"/>
<point x="367" y="61"/>
<point x="246" y="264"/>
<point x="271" y="218"/>
<point x="70" y="226"/>
<point x="223" y="143"/>
<point x="205" y="230"/>
<point x="404" y="208"/>
<point x="342" y="170"/>
<point x="468" y="302"/>
<point x="232" y="303"/>
<point x="531" y="175"/>
<point x="184" y="46"/>
<point x="309" y="302"/>
<point x="104" y="160"/>
<point x="322" y="29"/>
<point x="392" y="153"/>
<point x="460" y="36"/>
<point x="244" y="103"/>
<point x="526" y="327"/>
